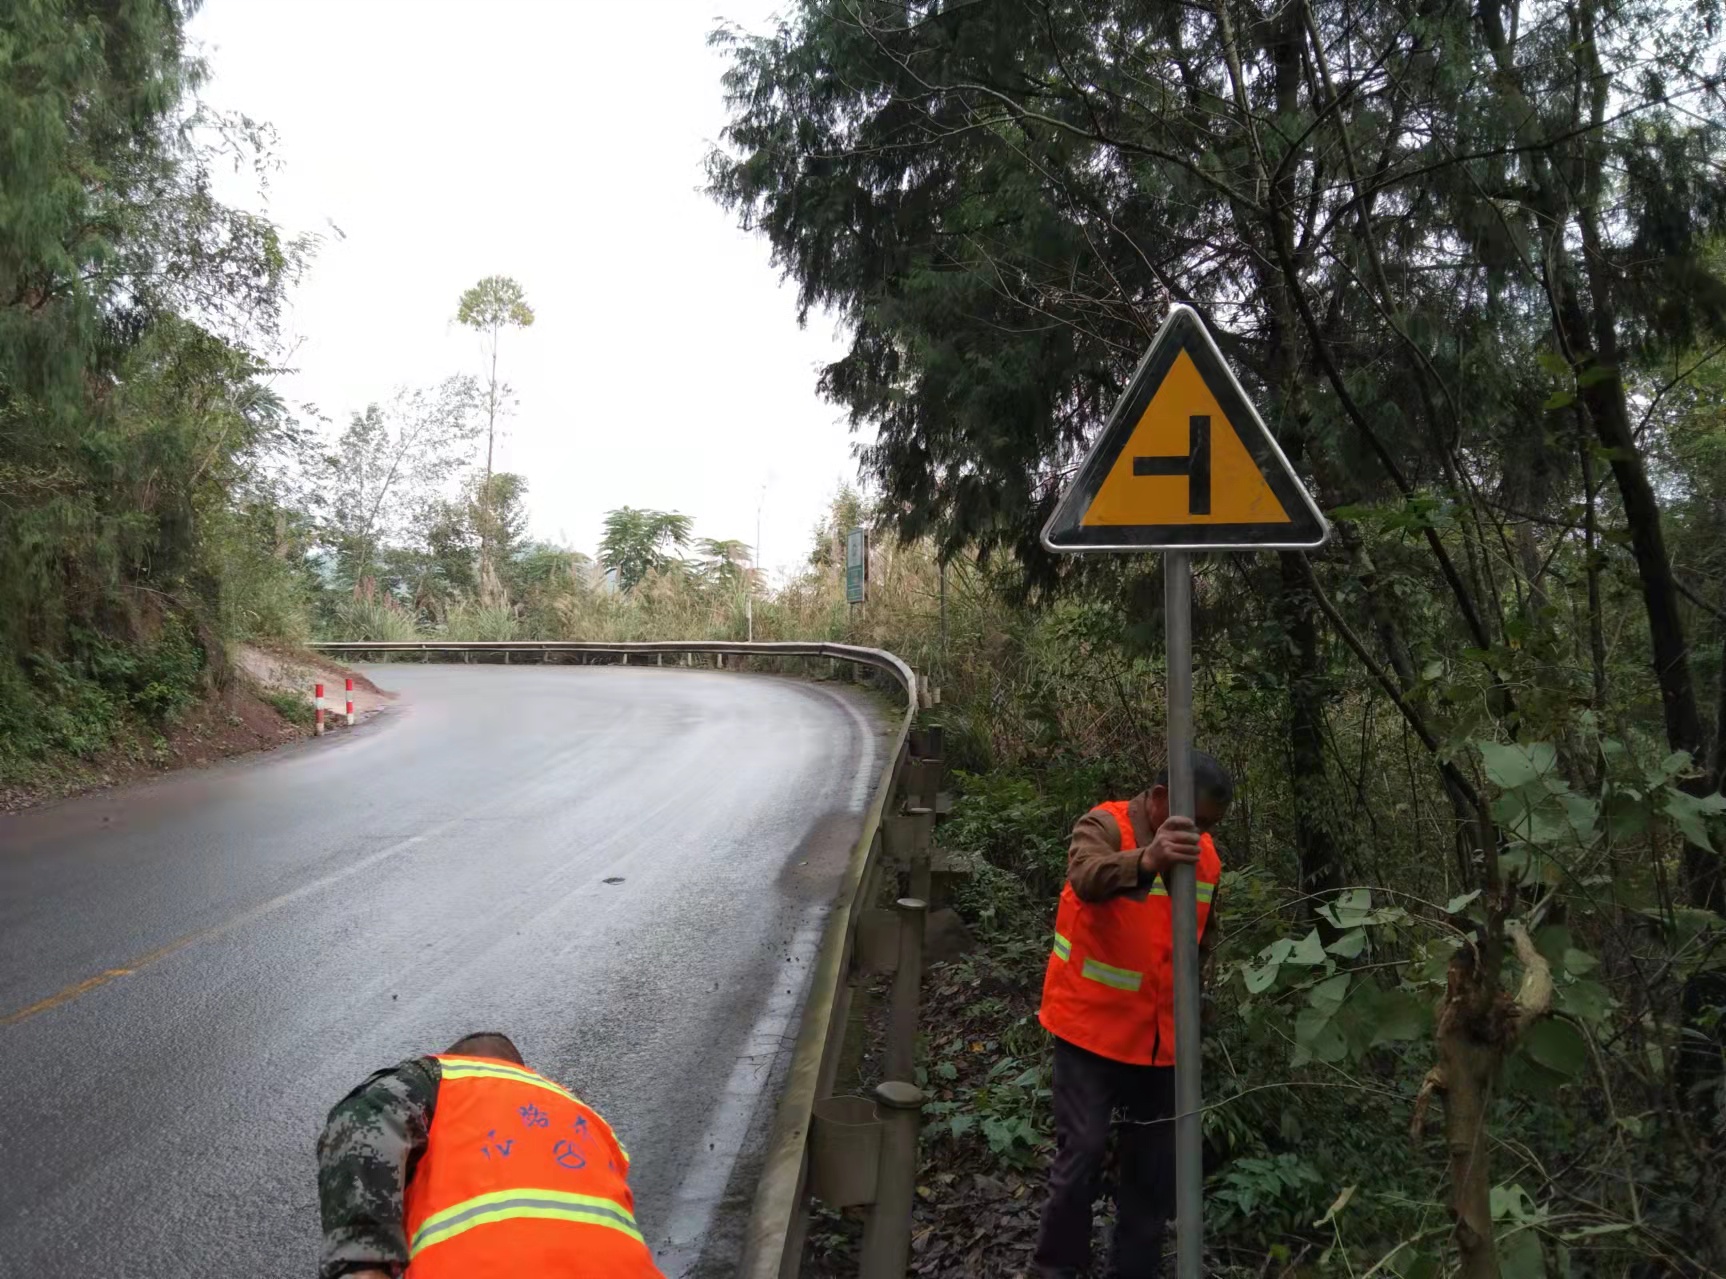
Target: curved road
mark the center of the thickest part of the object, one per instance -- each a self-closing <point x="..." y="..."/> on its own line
<point x="192" y="972"/>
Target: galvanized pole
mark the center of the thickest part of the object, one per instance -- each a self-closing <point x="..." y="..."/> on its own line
<point x="1183" y="909"/>
<point x="943" y="610"/>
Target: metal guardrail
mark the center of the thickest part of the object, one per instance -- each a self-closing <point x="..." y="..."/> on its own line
<point x="868" y="1157"/>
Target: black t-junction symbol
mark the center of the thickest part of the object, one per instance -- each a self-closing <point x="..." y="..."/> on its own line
<point x="1196" y="465"/>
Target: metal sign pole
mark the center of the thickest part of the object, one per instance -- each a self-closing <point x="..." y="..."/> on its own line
<point x="1184" y="914"/>
<point x="1222" y="484"/>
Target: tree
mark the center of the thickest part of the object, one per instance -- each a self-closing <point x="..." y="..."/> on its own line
<point x="640" y="542"/>
<point x="494" y="304"/>
<point x="1455" y="250"/>
<point x="724" y="562"/>
<point x="135" y="316"/>
<point x="389" y="465"/>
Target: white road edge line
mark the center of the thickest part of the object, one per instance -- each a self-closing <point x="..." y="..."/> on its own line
<point x="696" y="1200"/>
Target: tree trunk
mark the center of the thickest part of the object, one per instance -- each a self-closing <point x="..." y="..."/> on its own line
<point x="1321" y="870"/>
<point x="1469" y="1067"/>
<point x="1596" y="621"/>
<point x="1591" y="344"/>
<point x="1610" y="415"/>
<point x="1718" y="761"/>
<point x="1478" y="1025"/>
<point x="487" y="578"/>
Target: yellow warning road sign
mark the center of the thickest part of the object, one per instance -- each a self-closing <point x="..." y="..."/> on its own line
<point x="1184" y="463"/>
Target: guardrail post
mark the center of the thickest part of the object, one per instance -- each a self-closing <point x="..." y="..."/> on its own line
<point x="923" y="781"/>
<point x="887" y="1233"/>
<point x="907" y="978"/>
<point x="909" y="835"/>
<point x="930" y="741"/>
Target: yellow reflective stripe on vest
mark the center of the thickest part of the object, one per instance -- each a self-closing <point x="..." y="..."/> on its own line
<point x="1109" y="975"/>
<point x="1160" y="889"/>
<point x="1063" y="947"/>
<point x="502" y="1070"/>
<point x="511" y="1205"/>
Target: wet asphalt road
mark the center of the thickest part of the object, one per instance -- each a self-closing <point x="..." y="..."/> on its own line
<point x="215" y="958"/>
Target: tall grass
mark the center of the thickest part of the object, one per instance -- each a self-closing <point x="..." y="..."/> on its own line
<point x="483" y="622"/>
<point x="377" y="618"/>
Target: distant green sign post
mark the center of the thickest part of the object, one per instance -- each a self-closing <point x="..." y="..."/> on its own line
<point x="856" y="565"/>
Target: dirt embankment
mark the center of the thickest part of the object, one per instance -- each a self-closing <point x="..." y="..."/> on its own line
<point x="280" y="674"/>
<point x="265" y="702"/>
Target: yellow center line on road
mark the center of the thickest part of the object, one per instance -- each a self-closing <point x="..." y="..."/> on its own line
<point x="101" y="979"/>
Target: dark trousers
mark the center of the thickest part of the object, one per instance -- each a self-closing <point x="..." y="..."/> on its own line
<point x="1089" y="1091"/>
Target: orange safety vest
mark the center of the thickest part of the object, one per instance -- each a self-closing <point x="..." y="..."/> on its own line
<point x="519" y="1177"/>
<point x="1108" y="988"/>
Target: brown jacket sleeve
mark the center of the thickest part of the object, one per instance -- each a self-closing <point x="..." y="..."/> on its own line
<point x="1098" y="868"/>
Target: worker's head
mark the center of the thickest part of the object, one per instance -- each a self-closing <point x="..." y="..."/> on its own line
<point x="487" y="1043"/>
<point x="1213" y="791"/>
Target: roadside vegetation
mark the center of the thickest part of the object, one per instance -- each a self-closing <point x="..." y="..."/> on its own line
<point x="1468" y="260"/>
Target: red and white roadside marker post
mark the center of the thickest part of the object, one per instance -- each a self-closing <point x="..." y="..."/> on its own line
<point x="318" y="702"/>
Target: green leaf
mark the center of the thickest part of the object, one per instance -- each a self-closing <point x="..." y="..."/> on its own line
<point x="1317" y="1039"/>
<point x="1398" y="1016"/>
<point x="1511" y="765"/>
<point x="1349" y="945"/>
<point x="1552" y="941"/>
<point x="1456" y="905"/>
<point x="1029" y="1078"/>
<point x="1278" y="950"/>
<point x="1628" y="817"/>
<point x="1559" y="400"/>
<point x="1432" y="670"/>
<point x="1595" y="374"/>
<point x="1261" y="979"/>
<point x="1579" y="963"/>
<point x="1691" y="814"/>
<point x="1558" y="1046"/>
<point x="962" y="1124"/>
<point x="947" y="1070"/>
<point x="1674" y="765"/>
<point x="1587" y="1001"/>
<point x="1418" y="1265"/>
<point x="1328" y="995"/>
<point x="1351" y="907"/>
<point x="1584" y="814"/>
<point x="1512" y="1203"/>
<point x="1309" y="950"/>
<point x="1553" y="363"/>
<point x="1520" y="1256"/>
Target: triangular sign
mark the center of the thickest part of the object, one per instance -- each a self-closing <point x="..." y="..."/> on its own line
<point x="1184" y="463"/>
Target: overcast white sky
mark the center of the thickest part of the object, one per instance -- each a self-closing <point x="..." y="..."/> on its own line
<point x="560" y="142"/>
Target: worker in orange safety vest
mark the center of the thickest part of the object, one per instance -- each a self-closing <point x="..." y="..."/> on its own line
<point x="1108" y="1001"/>
<point x="468" y="1165"/>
